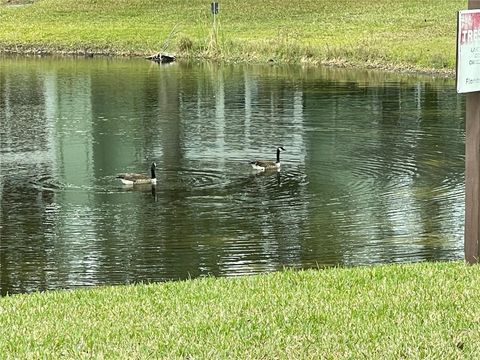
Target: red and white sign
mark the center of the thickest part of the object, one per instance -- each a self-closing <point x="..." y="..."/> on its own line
<point x="468" y="51"/>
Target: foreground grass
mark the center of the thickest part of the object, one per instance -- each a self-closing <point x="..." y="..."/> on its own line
<point x="424" y="310"/>
<point x="389" y="33"/>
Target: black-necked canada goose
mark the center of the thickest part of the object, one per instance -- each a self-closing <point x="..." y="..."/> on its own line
<point x="263" y="165"/>
<point x="133" y="179"/>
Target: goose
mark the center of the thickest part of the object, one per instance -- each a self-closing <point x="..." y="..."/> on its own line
<point x="133" y="179"/>
<point x="263" y="165"/>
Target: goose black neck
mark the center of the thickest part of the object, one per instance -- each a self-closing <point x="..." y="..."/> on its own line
<point x="152" y="172"/>
<point x="278" y="155"/>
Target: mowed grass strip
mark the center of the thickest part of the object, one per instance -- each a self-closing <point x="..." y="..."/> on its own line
<point x="426" y="310"/>
<point x="390" y="33"/>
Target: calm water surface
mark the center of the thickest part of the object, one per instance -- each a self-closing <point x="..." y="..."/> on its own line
<point x="373" y="170"/>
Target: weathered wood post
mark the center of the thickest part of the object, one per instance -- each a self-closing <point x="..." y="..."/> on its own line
<point x="472" y="149"/>
<point x="472" y="175"/>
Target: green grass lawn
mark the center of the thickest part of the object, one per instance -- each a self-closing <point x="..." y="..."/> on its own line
<point x="389" y="33"/>
<point x="426" y="310"/>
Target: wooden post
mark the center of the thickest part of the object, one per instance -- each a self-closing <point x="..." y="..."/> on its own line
<point x="472" y="170"/>
<point x="472" y="177"/>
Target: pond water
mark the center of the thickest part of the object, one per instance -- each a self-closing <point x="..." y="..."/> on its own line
<point x="373" y="170"/>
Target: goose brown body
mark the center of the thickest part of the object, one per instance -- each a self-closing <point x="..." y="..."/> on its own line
<point x="133" y="178"/>
<point x="263" y="165"/>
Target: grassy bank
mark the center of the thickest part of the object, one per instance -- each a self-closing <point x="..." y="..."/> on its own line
<point x="408" y="311"/>
<point x="410" y="34"/>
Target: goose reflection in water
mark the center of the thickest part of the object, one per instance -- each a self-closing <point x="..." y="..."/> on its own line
<point x="267" y="174"/>
<point x="143" y="188"/>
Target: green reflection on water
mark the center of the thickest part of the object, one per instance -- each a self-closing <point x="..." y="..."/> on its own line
<point x="373" y="170"/>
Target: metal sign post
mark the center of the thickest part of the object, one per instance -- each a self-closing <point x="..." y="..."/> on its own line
<point x="468" y="73"/>
<point x="214" y="8"/>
